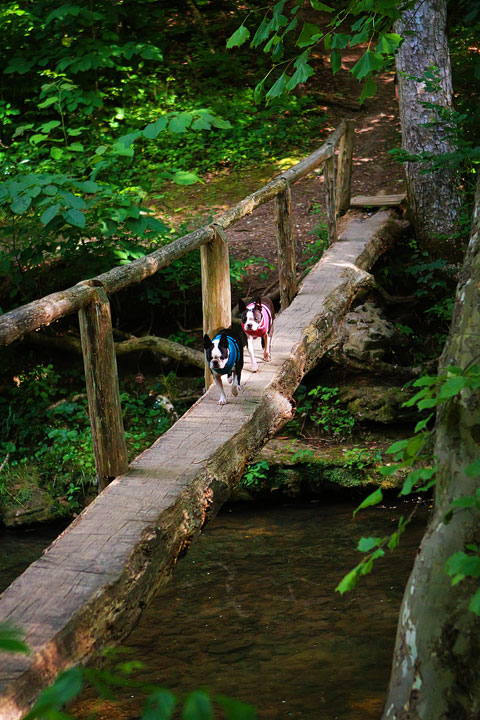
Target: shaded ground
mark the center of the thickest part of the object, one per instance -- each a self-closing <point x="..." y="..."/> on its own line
<point x="374" y="172"/>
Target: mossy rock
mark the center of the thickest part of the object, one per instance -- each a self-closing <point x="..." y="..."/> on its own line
<point x="371" y="402"/>
<point x="26" y="503"/>
<point x="294" y="469"/>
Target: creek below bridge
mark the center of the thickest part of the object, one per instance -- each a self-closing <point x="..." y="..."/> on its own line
<point x="251" y="612"/>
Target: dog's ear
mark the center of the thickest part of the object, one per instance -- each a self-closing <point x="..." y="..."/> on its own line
<point x="258" y="302"/>
<point x="223" y="341"/>
<point x="206" y="342"/>
<point x="241" y="306"/>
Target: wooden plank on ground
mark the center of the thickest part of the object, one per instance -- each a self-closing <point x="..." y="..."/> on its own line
<point x="90" y="585"/>
<point x="377" y="200"/>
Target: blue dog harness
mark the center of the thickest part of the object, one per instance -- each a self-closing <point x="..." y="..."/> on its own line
<point x="233" y="356"/>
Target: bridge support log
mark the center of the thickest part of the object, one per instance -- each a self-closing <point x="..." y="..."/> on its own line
<point x="330" y="199"/>
<point x="287" y="272"/>
<point x="90" y="585"/>
<point x="103" y="393"/>
<point x="216" y="293"/>
<point x="344" y="168"/>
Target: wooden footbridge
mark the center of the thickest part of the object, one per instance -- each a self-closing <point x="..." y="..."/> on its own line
<point x="91" y="584"/>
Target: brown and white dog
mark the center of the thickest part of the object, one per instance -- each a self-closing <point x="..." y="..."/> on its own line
<point x="257" y="321"/>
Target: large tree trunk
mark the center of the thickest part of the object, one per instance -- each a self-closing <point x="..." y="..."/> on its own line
<point x="433" y="198"/>
<point x="436" y="663"/>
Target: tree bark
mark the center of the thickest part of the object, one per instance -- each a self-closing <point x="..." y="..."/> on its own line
<point x="433" y="197"/>
<point x="436" y="662"/>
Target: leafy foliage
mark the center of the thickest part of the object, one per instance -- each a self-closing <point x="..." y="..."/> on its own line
<point x="45" y="431"/>
<point x="321" y="407"/>
<point x="415" y="455"/>
<point x="370" y="22"/>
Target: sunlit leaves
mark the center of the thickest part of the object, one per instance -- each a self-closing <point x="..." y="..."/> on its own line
<point x="240" y="35"/>
<point x="368" y="62"/>
<point x="302" y="72"/>
<point x="373" y="499"/>
<point x="309" y="34"/>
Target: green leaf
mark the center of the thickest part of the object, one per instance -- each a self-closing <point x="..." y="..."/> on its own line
<point x="373" y="499"/>
<point x="182" y="177"/>
<point x="49" y="213"/>
<point x="340" y="41"/>
<point x="20" y="204"/>
<point x="87" y="186"/>
<point x="11" y="640"/>
<point x="474" y="604"/>
<point x="365" y="544"/>
<point x="197" y="707"/>
<point x="473" y="469"/>
<point x="179" y="123"/>
<point x="66" y="687"/>
<point x="453" y="386"/>
<point x="462" y="564"/>
<point x="46" y="127"/>
<point x="160" y="705"/>
<point x="56" y="153"/>
<point x="369" y="62"/>
<point x="279" y="87"/>
<point x="369" y="89"/>
<point x="335" y="61"/>
<point x="236" y="710"/>
<point x="221" y="123"/>
<point x="76" y="147"/>
<point x="154" y="129"/>
<point x="397" y="447"/>
<point x="310" y="33"/>
<point x="422" y="424"/>
<point x="302" y="73"/>
<point x="239" y="37"/>
<point x="349" y="581"/>
<point x="261" y="34"/>
<point x="75" y="218"/>
<point x="388" y="43"/>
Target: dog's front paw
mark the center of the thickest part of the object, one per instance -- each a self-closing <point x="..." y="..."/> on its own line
<point x="235" y="390"/>
<point x="255" y="368"/>
<point x="222" y="401"/>
<point x="267" y="358"/>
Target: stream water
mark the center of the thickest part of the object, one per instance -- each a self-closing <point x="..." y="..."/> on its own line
<point x="251" y="613"/>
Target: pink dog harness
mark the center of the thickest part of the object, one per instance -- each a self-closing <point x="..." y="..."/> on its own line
<point x="265" y="324"/>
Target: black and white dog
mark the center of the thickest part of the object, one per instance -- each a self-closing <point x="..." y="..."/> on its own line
<point x="257" y="321"/>
<point x="225" y="357"/>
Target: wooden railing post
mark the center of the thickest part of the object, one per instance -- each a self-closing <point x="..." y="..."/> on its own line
<point x="102" y="388"/>
<point x="329" y="175"/>
<point x="344" y="167"/>
<point x="287" y="272"/>
<point x="216" y="293"/>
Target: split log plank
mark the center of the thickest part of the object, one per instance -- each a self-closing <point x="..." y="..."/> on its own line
<point x="90" y="585"/>
<point x="377" y="200"/>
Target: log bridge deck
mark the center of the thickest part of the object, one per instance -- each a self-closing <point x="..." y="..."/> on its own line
<point x="90" y="585"/>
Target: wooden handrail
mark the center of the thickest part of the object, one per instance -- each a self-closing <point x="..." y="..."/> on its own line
<point x="89" y="298"/>
<point x="39" y="313"/>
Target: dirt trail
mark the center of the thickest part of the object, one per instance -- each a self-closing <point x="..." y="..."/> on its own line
<point x="374" y="171"/>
